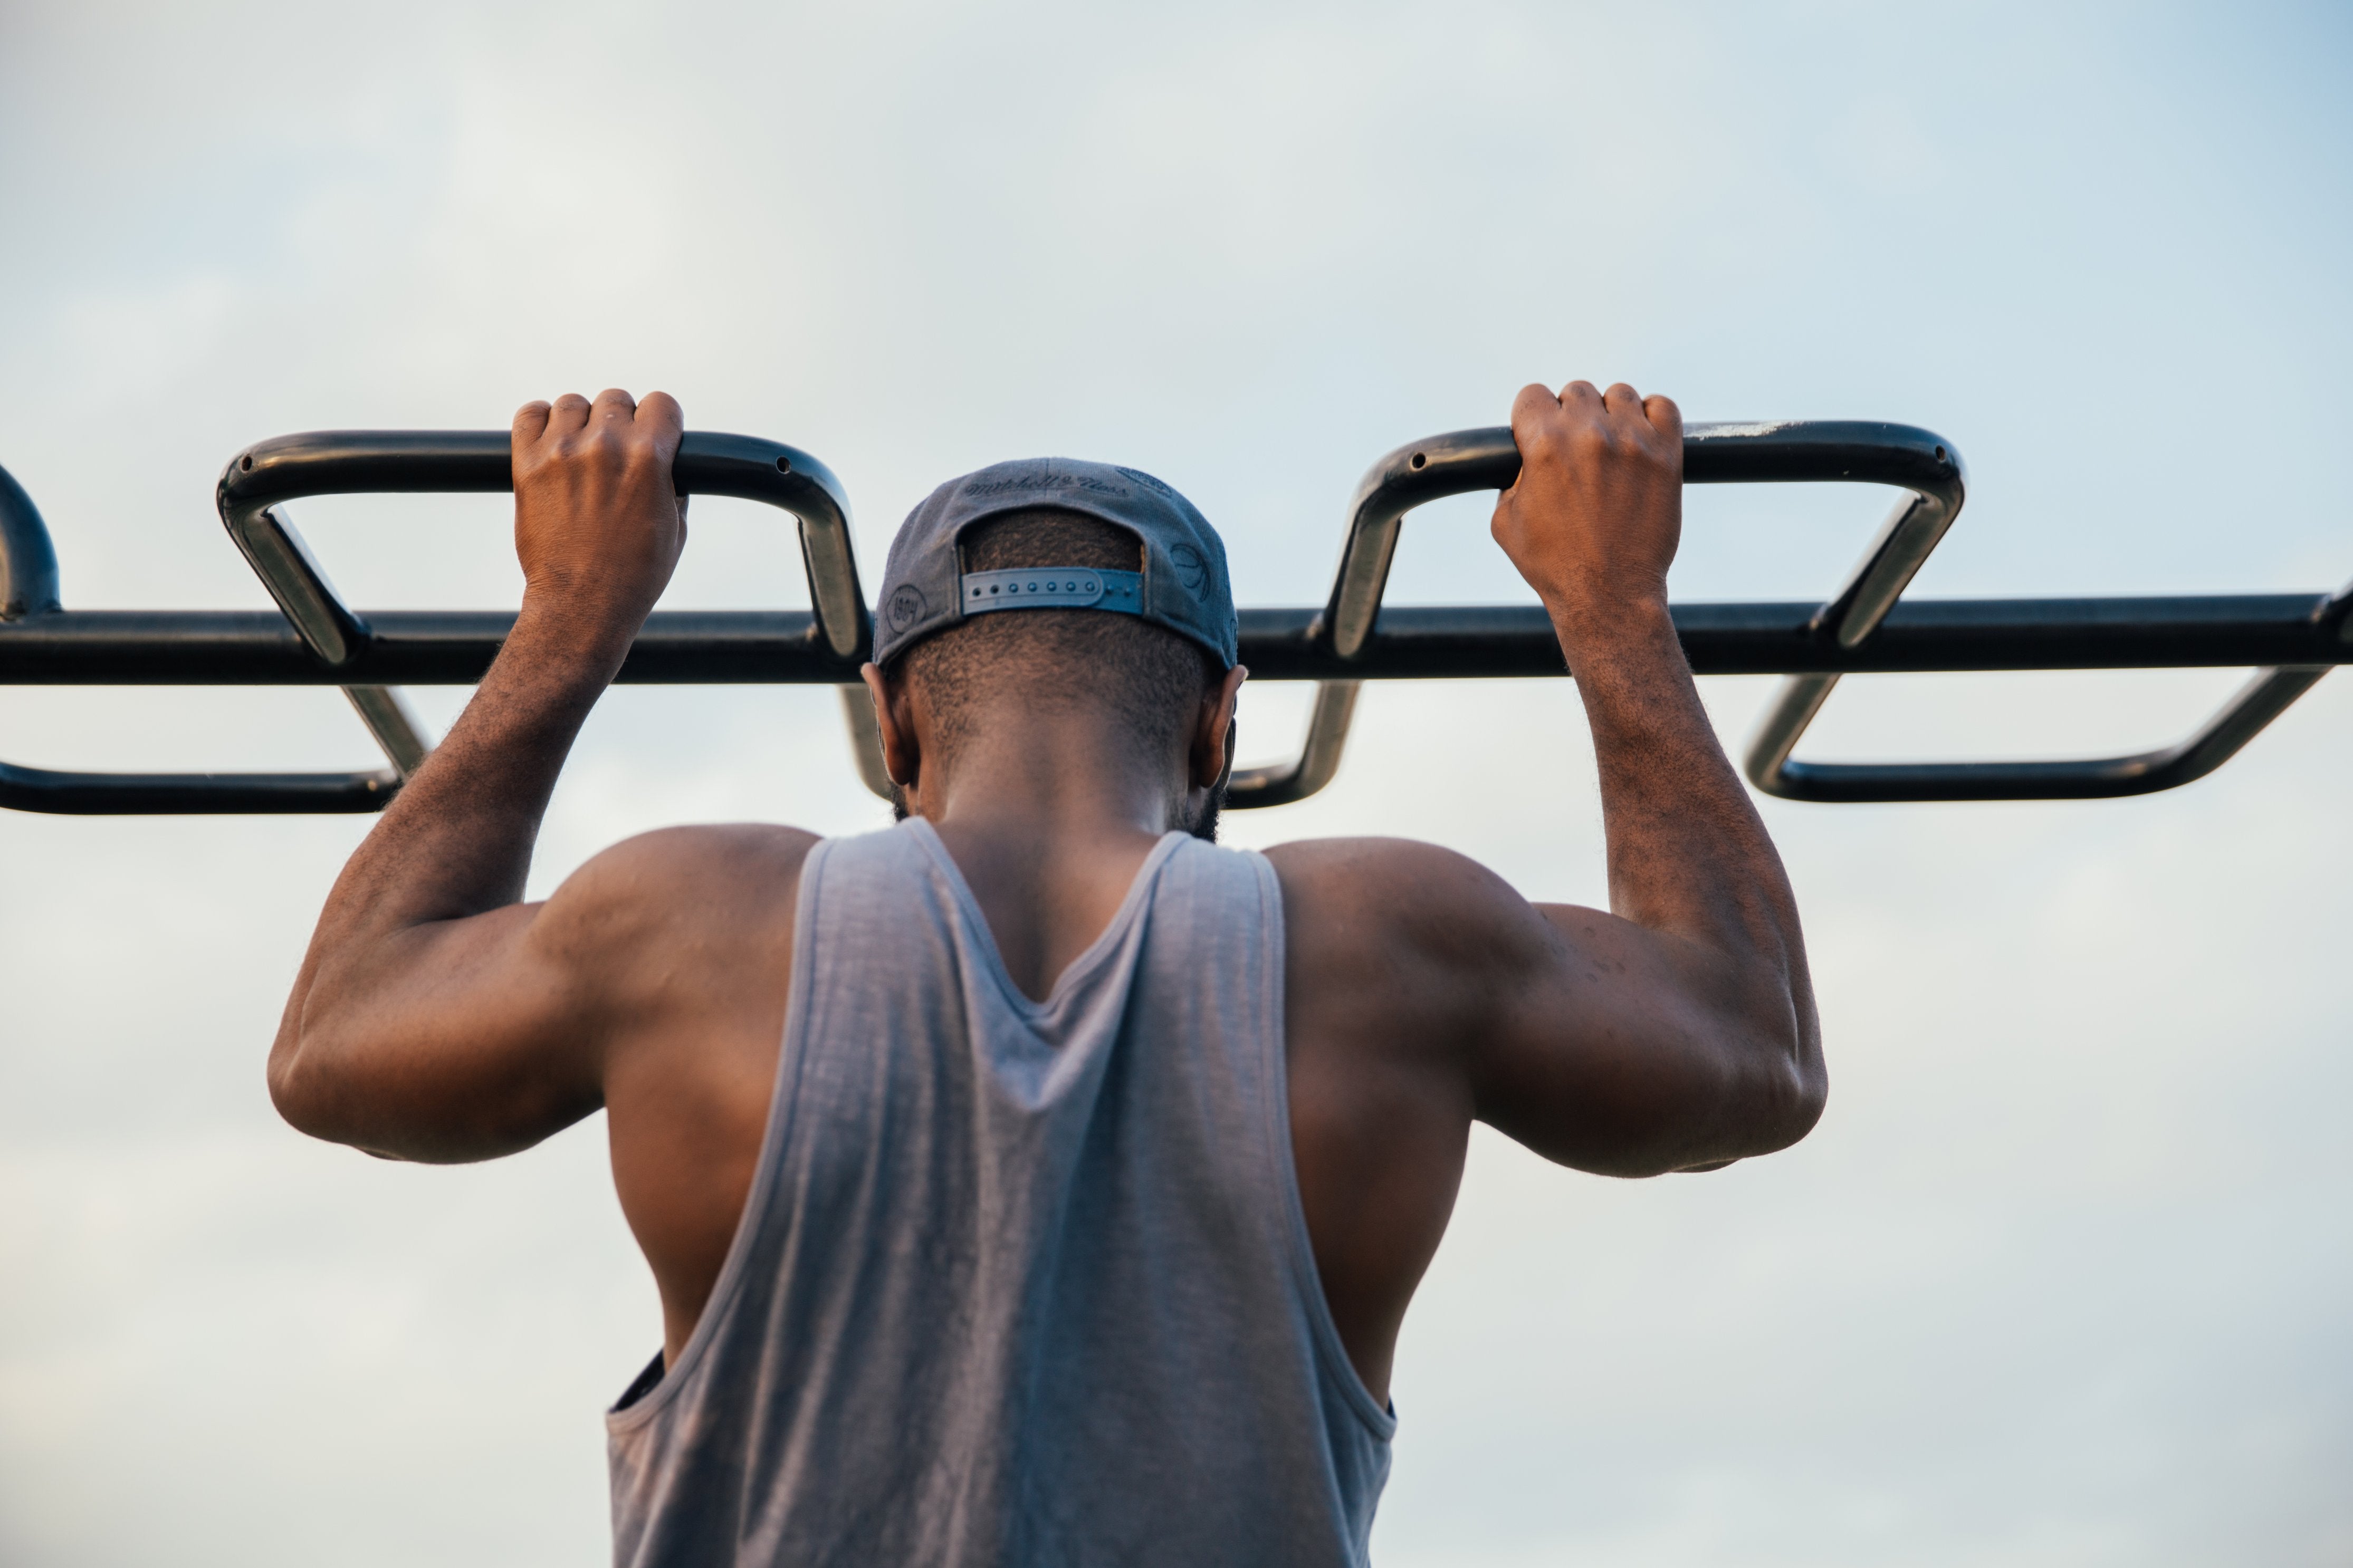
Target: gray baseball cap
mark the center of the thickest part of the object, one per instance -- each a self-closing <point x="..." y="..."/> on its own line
<point x="1182" y="587"/>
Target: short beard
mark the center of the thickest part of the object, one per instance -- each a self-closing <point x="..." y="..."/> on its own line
<point x="1203" y="824"/>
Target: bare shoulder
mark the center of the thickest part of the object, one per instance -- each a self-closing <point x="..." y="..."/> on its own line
<point x="1394" y="939"/>
<point x="1402" y="893"/>
<point x="746" y="855"/>
<point x="679" y="898"/>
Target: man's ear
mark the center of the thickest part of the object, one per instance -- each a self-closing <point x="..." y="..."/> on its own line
<point x="902" y="757"/>
<point x="1213" y="740"/>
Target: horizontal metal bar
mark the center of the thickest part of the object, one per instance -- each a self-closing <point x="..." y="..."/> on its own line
<point x="182" y="794"/>
<point x="445" y="647"/>
<point x="1484" y="641"/>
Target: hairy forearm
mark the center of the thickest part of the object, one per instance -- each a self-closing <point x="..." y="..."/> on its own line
<point x="1688" y="856"/>
<point x="457" y="839"/>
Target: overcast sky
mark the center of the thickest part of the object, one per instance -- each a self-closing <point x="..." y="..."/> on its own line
<point x="2064" y="1277"/>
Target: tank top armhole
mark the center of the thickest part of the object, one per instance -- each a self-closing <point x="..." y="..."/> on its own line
<point x="1331" y="1352"/>
<point x="640" y="1407"/>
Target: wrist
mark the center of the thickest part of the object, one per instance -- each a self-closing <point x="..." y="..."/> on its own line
<point x="567" y="638"/>
<point x="1601" y="617"/>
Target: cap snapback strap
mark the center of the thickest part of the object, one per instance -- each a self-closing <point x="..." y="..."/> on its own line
<point x="1054" y="588"/>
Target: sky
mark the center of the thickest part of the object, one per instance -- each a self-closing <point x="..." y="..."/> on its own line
<point x="2063" y="1277"/>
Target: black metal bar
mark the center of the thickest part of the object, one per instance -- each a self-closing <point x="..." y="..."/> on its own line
<point x="1414" y="642"/>
<point x="1839" y="451"/>
<point x="29" y="606"/>
<point x="354" y="462"/>
<point x="2256" y="704"/>
<point x="333" y="462"/>
<point x="1831" y="451"/>
<point x="320" y="640"/>
<point x="2292" y="639"/>
<point x="29" y="563"/>
<point x="2327" y="621"/>
<point x="182" y="794"/>
<point x="1318" y="759"/>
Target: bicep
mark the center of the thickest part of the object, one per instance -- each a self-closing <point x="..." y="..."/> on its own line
<point x="466" y="1039"/>
<point x="1596" y="1042"/>
<point x="450" y="1040"/>
<point x="1613" y="1047"/>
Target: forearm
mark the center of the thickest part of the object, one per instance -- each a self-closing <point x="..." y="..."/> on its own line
<point x="1688" y="856"/>
<point x="457" y="839"/>
<point x="1711" y="1046"/>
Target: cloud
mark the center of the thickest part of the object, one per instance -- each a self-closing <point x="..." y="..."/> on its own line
<point x="2062" y="1276"/>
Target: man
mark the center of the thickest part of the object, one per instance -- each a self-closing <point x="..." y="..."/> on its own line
<point x="1035" y="1181"/>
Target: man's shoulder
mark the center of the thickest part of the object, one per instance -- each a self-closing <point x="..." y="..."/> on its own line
<point x="1353" y="869"/>
<point x="714" y="884"/>
<point x="703" y="854"/>
<point x="1413" y="911"/>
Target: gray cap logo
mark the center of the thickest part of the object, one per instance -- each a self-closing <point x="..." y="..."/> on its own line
<point x="907" y="606"/>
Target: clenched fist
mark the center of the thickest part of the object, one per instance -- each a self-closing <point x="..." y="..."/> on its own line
<point x="1593" y="521"/>
<point x="598" y="520"/>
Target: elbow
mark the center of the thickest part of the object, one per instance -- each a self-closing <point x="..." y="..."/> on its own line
<point x="1774" y="1090"/>
<point x="293" y="1087"/>
<point x="1806" y="1093"/>
<point x="304" y="1087"/>
<point x="316" y="1100"/>
<point x="1788" y="1086"/>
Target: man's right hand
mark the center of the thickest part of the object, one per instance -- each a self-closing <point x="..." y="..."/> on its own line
<point x="1593" y="521"/>
<point x="598" y="520"/>
<point x="436" y="1016"/>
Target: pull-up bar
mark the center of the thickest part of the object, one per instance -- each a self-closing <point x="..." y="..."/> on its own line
<point x="1866" y="626"/>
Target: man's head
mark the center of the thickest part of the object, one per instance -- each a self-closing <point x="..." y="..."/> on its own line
<point x="1066" y="622"/>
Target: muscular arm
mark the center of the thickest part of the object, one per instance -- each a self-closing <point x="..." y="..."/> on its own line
<point x="435" y="1017"/>
<point x="1700" y="1044"/>
<point x="1674" y="1032"/>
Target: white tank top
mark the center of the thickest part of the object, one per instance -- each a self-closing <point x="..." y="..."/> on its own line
<point x="1017" y="1283"/>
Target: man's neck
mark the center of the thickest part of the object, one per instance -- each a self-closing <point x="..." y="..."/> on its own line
<point x="1069" y="776"/>
<point x="1049" y="820"/>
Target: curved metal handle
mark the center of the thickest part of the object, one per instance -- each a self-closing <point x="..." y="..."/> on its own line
<point x="28" y="562"/>
<point x="347" y="462"/>
<point x="1319" y="758"/>
<point x="2251" y="709"/>
<point x="1792" y="451"/>
<point x="352" y="462"/>
<point x="28" y="588"/>
<point x="1796" y="451"/>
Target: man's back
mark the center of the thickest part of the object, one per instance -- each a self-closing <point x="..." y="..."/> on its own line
<point x="1016" y="1280"/>
<point x="1049" y="755"/>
